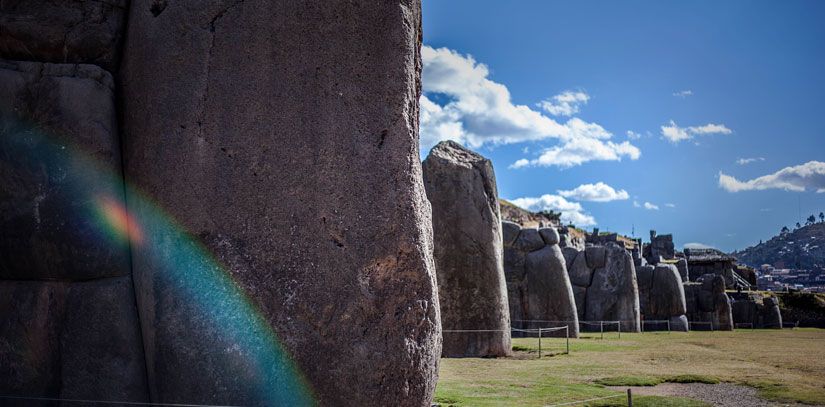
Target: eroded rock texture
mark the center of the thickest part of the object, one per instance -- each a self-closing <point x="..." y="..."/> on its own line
<point x="68" y="320"/>
<point x="661" y="297"/>
<point x="708" y="307"/>
<point x="70" y="31"/>
<point x="59" y="169"/>
<point x="461" y="188"/>
<point x="752" y="310"/>
<point x="538" y="287"/>
<point x="76" y="340"/>
<point x="604" y="285"/>
<point x="282" y="136"/>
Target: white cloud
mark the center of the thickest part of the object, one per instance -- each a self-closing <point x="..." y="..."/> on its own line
<point x="745" y="161"/>
<point x="571" y="212"/>
<point x="651" y="207"/>
<point x="581" y="150"/>
<point x="522" y="162"/>
<point x="461" y="103"/>
<point x="670" y="205"/>
<point x="636" y="204"/>
<point x="675" y="134"/>
<point x="598" y="192"/>
<point x="632" y="135"/>
<point x="683" y="93"/>
<point x="564" y="104"/>
<point x="810" y="175"/>
<point x="697" y="246"/>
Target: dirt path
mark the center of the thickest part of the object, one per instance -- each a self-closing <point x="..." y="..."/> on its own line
<point x="722" y="394"/>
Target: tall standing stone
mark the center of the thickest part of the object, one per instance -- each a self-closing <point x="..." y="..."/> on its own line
<point x="472" y="294"/>
<point x="281" y="139"/>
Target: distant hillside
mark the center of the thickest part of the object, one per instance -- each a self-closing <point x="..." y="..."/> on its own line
<point x="523" y="217"/>
<point x="803" y="248"/>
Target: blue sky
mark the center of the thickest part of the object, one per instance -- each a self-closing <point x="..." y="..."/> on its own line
<point x="549" y="91"/>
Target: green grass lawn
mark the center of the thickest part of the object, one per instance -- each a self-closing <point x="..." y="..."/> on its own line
<point x="786" y="365"/>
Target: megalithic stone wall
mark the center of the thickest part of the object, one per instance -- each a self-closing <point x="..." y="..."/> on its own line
<point x="756" y="310"/>
<point x="461" y="187"/>
<point x="282" y="136"/>
<point x="68" y="320"/>
<point x="538" y="287"/>
<point x="604" y="284"/>
<point x="707" y="303"/>
<point x="662" y="297"/>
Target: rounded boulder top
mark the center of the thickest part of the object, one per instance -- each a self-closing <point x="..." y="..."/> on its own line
<point x="456" y="153"/>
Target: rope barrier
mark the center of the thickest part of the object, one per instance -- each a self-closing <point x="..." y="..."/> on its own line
<point x="570" y="403"/>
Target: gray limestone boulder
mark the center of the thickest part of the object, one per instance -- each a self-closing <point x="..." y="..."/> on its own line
<point x="661" y="296"/>
<point x="538" y="286"/>
<point x="771" y="315"/>
<point x="569" y="254"/>
<point x="580" y="296"/>
<point x="549" y="294"/>
<point x="279" y="158"/>
<point x="550" y="236"/>
<point x="706" y="303"/>
<point x="667" y="296"/>
<point x="63" y="31"/>
<point x="596" y="256"/>
<point x="613" y="294"/>
<point x="580" y="274"/>
<point x="529" y="240"/>
<point x="510" y="231"/>
<point x="61" y="196"/>
<point x="682" y="266"/>
<point x="679" y="323"/>
<point x="74" y="340"/>
<point x="472" y="294"/>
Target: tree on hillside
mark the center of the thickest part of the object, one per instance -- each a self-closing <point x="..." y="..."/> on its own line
<point x="811" y="220"/>
<point x="784" y="230"/>
<point x="821" y="217"/>
<point x="798" y="225"/>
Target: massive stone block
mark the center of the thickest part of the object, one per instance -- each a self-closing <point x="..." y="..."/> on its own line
<point x="461" y="188"/>
<point x="707" y="304"/>
<point x="281" y="138"/>
<point x="613" y="294"/>
<point x="59" y="172"/>
<point x="661" y="296"/>
<point x="73" y="31"/>
<point x="76" y="340"/>
<point x="605" y="285"/>
<point x="538" y="286"/>
<point x="756" y="311"/>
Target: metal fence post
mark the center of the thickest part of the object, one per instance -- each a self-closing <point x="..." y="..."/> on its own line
<point x="539" y="343"/>
<point x="668" y="326"/>
<point x="629" y="398"/>
<point x="620" y="329"/>
<point x="601" y="328"/>
<point x="567" y="334"/>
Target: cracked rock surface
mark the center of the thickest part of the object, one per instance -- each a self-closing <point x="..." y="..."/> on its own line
<point x="538" y="287"/>
<point x="59" y="161"/>
<point x="70" y="31"/>
<point x="461" y="187"/>
<point x="284" y="136"/>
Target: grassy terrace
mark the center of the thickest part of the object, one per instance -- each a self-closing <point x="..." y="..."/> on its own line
<point x="786" y="365"/>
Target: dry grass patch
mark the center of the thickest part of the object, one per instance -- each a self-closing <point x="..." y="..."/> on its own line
<point x="786" y="365"/>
